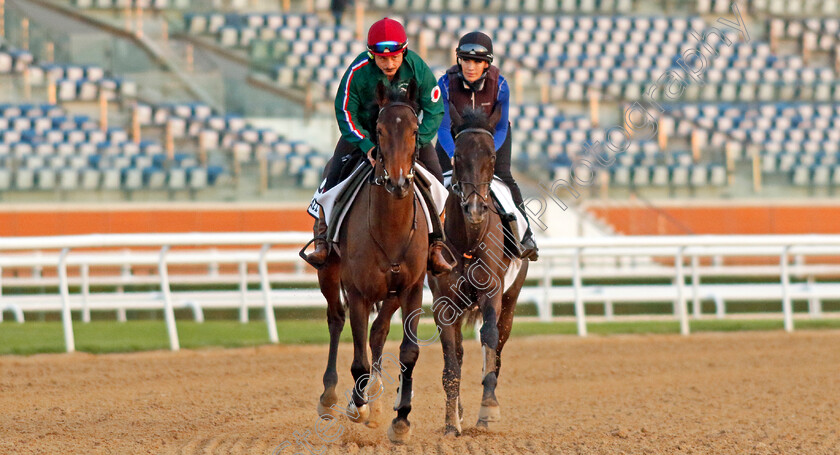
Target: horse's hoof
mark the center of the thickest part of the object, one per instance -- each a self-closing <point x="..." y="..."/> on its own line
<point x="488" y="415"/>
<point x="451" y="431"/>
<point x="399" y="432"/>
<point x="485" y="425"/>
<point x="326" y="410"/>
<point x="372" y="424"/>
<point x="373" y="402"/>
<point x="358" y="415"/>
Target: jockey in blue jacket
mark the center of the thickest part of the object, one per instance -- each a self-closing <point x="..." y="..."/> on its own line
<point x="475" y="83"/>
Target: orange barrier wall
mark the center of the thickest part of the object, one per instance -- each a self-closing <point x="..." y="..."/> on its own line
<point x="31" y="220"/>
<point x="721" y="218"/>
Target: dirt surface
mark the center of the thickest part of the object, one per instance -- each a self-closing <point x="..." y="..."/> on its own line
<point x="706" y="394"/>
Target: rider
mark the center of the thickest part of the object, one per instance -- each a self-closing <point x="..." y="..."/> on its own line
<point x="474" y="82"/>
<point x="389" y="60"/>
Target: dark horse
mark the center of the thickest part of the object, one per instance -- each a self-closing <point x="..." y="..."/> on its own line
<point x="383" y="255"/>
<point x="476" y="286"/>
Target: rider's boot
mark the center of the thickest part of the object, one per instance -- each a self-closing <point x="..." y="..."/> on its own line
<point x="437" y="263"/>
<point x="529" y="248"/>
<point x="318" y="257"/>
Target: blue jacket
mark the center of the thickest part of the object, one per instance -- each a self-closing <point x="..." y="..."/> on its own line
<point x="494" y="82"/>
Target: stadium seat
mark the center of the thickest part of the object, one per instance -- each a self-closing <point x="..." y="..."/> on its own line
<point x="24" y="179"/>
<point x="110" y="178"/>
<point x="5" y="179"/>
<point x="177" y="179"/>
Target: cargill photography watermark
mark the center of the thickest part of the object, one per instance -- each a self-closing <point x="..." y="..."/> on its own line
<point x="639" y="124"/>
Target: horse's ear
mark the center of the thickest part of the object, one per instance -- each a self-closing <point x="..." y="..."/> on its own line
<point x="457" y="121"/>
<point x="494" y="118"/>
<point x="411" y="91"/>
<point x="381" y="94"/>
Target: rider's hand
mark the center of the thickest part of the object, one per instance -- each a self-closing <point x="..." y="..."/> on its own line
<point x="370" y="156"/>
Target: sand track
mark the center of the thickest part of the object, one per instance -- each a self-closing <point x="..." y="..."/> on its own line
<point x="709" y="393"/>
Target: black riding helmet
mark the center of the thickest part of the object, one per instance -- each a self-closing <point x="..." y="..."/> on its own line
<point x="475" y="46"/>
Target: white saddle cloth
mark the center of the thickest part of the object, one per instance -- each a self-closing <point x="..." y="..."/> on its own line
<point x="501" y="192"/>
<point x="326" y="200"/>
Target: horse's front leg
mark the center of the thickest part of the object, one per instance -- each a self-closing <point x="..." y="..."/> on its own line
<point x="359" y="308"/>
<point x="328" y="278"/>
<point x="489" y="412"/>
<point x="451" y="378"/>
<point x="412" y="299"/>
<point x="378" y="334"/>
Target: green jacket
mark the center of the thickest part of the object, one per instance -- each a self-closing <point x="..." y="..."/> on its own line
<point x="357" y="90"/>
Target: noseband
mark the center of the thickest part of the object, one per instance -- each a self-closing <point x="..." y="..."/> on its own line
<point x="385" y="177"/>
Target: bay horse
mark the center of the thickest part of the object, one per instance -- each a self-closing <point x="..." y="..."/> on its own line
<point x="383" y="248"/>
<point x="475" y="287"/>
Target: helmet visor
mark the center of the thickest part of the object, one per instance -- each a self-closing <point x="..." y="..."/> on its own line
<point x="473" y="49"/>
<point x="386" y="47"/>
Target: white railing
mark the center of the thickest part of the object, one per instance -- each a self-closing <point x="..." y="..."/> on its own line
<point x="115" y="262"/>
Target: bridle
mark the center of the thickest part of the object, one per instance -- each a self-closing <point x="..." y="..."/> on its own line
<point x="458" y="186"/>
<point x="381" y="180"/>
<point x="458" y="190"/>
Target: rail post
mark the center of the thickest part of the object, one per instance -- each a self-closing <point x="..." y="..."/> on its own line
<point x="681" y="303"/>
<point x="545" y="307"/>
<point x="695" y="288"/>
<point x="577" y="282"/>
<point x="814" y="303"/>
<point x="168" y="312"/>
<point x="787" y="304"/>
<point x="64" y="288"/>
<point x="243" y="292"/>
<point x="266" y="288"/>
<point x="85" y="269"/>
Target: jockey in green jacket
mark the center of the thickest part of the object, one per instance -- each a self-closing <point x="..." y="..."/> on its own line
<point x="388" y="60"/>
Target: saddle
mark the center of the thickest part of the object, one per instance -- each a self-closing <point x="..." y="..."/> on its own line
<point x="336" y="202"/>
<point x="514" y="223"/>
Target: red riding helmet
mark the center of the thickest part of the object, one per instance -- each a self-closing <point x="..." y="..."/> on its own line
<point x="386" y="37"/>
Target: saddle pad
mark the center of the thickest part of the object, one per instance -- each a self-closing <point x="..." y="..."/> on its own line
<point x="336" y="201"/>
<point x="501" y="193"/>
<point x="511" y="273"/>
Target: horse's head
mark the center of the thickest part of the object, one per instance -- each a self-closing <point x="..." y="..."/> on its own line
<point x="396" y="133"/>
<point x="475" y="160"/>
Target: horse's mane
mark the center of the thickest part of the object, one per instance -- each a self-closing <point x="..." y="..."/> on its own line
<point x="474" y="118"/>
<point x="396" y="94"/>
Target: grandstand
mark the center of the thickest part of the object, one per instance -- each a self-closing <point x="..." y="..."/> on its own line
<point x="760" y="116"/>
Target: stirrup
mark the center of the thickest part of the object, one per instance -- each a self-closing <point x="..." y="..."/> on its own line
<point x="529" y="252"/>
<point x="453" y="263"/>
<point x="303" y="255"/>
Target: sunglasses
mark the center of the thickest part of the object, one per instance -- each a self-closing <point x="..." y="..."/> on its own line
<point x="385" y="47"/>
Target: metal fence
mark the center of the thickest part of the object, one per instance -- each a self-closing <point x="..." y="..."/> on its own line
<point x="611" y="271"/>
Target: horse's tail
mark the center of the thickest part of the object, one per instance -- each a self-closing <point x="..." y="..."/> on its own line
<point x="473" y="316"/>
<point x="344" y="299"/>
<point x="377" y="306"/>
